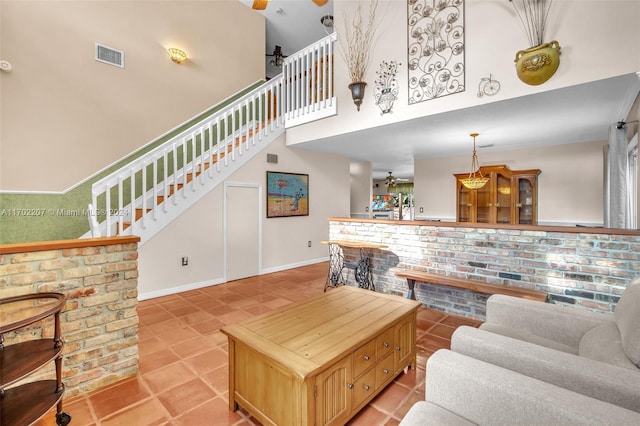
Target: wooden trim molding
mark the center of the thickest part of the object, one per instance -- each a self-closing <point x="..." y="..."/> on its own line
<point x="544" y="228"/>
<point x="66" y="244"/>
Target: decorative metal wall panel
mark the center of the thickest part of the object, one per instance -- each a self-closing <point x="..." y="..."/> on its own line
<point x="436" y="48"/>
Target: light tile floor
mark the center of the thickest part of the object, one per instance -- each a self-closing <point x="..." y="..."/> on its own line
<point x="183" y="374"/>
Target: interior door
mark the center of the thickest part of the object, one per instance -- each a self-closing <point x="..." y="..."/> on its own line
<point x="242" y="231"/>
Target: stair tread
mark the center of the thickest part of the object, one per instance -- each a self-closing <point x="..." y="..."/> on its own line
<point x="215" y="158"/>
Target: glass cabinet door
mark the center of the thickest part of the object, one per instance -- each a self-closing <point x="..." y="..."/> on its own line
<point x="526" y="200"/>
<point x="503" y="199"/>
<point x="465" y="204"/>
<point x="483" y="203"/>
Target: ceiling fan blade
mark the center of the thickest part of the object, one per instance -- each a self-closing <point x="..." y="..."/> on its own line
<point x="260" y="4"/>
<point x="321" y="2"/>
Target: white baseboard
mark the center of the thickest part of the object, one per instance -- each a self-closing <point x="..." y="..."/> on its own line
<point x="179" y="289"/>
<point x="202" y="284"/>
<point x="294" y="265"/>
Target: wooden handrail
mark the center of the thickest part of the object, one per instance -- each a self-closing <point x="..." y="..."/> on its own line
<point x="66" y="244"/>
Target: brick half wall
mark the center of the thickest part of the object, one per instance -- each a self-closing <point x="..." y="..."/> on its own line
<point x="588" y="267"/>
<point x="99" y="321"/>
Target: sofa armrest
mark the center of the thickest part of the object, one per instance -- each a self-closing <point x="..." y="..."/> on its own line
<point x="606" y="382"/>
<point x="558" y="323"/>
<point x="486" y="394"/>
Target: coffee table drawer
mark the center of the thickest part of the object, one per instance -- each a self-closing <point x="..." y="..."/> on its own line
<point x="384" y="371"/>
<point x="384" y="343"/>
<point x="364" y="387"/>
<point x="363" y="358"/>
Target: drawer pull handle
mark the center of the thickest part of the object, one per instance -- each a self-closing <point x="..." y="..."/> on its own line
<point x="367" y="358"/>
<point x="350" y="385"/>
<point x="397" y="348"/>
<point x="386" y="344"/>
<point x="386" y="371"/>
<point x="366" y="387"/>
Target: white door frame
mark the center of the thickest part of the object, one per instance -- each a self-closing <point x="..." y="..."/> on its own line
<point x="225" y="221"/>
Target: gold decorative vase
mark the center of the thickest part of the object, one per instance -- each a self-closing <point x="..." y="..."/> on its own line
<point x="537" y="64"/>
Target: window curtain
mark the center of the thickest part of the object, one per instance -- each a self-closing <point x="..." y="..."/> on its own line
<point x="616" y="178"/>
<point x="405" y="188"/>
<point x="632" y="205"/>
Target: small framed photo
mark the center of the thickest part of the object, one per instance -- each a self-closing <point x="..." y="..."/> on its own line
<point x="287" y="194"/>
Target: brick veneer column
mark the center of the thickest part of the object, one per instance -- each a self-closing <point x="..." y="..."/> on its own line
<point x="99" y="321"/>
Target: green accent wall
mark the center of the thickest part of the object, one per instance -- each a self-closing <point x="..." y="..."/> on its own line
<point x="45" y="217"/>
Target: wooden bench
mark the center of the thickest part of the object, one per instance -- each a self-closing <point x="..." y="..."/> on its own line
<point x="436" y="279"/>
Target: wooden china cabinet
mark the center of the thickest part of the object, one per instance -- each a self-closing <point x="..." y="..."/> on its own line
<point x="509" y="197"/>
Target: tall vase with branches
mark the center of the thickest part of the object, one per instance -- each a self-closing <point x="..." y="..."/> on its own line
<point x="533" y="15"/>
<point x="355" y="42"/>
<point x="540" y="61"/>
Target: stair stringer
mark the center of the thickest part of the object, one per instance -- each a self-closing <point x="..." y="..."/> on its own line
<point x="191" y="193"/>
<point x="160" y="215"/>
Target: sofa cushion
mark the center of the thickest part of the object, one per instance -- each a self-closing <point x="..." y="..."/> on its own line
<point x="424" y="413"/>
<point x="627" y="316"/>
<point x="518" y="334"/>
<point x="603" y="343"/>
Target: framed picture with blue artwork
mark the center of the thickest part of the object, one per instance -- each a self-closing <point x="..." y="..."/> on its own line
<point x="287" y="194"/>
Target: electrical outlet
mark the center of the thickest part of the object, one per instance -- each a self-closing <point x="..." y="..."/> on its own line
<point x="366" y="209"/>
<point x="421" y="209"/>
<point x="309" y="243"/>
<point x="185" y="261"/>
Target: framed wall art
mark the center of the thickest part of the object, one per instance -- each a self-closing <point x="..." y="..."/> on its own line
<point x="436" y="48"/>
<point x="287" y="194"/>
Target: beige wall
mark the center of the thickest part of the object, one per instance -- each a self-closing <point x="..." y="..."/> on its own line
<point x="66" y="116"/>
<point x="493" y="36"/>
<point x="569" y="191"/>
<point x="361" y="189"/>
<point x="198" y="233"/>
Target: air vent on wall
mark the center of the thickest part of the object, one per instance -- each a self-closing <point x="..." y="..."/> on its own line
<point x="109" y="56"/>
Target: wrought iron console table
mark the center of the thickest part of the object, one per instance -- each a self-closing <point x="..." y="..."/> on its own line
<point x="362" y="267"/>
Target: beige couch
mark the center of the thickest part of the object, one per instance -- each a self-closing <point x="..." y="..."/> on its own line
<point x="461" y="390"/>
<point x="592" y="353"/>
<point x="538" y="363"/>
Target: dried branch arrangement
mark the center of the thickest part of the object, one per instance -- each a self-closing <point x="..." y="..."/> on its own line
<point x="533" y="15"/>
<point x="357" y="39"/>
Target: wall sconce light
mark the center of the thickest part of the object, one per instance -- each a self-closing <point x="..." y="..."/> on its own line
<point x="5" y="66"/>
<point x="178" y="56"/>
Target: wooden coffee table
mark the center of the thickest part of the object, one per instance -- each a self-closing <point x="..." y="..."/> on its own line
<point x="321" y="360"/>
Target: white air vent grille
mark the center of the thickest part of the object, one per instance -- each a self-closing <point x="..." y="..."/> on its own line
<point x="109" y="56"/>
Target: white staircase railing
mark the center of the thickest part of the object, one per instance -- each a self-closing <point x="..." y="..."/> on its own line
<point x="308" y="88"/>
<point x="146" y="194"/>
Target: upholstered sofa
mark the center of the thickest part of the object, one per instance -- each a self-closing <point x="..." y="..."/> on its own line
<point x="592" y="353"/>
<point x="538" y="363"/>
<point x="461" y="390"/>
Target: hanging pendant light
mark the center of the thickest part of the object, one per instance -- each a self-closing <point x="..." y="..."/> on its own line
<point x="390" y="181"/>
<point x="474" y="181"/>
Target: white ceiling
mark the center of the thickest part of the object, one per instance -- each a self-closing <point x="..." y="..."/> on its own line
<point x="581" y="113"/>
<point x="293" y="25"/>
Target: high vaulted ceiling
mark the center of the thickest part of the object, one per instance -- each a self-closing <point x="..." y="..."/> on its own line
<point x="581" y="113"/>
